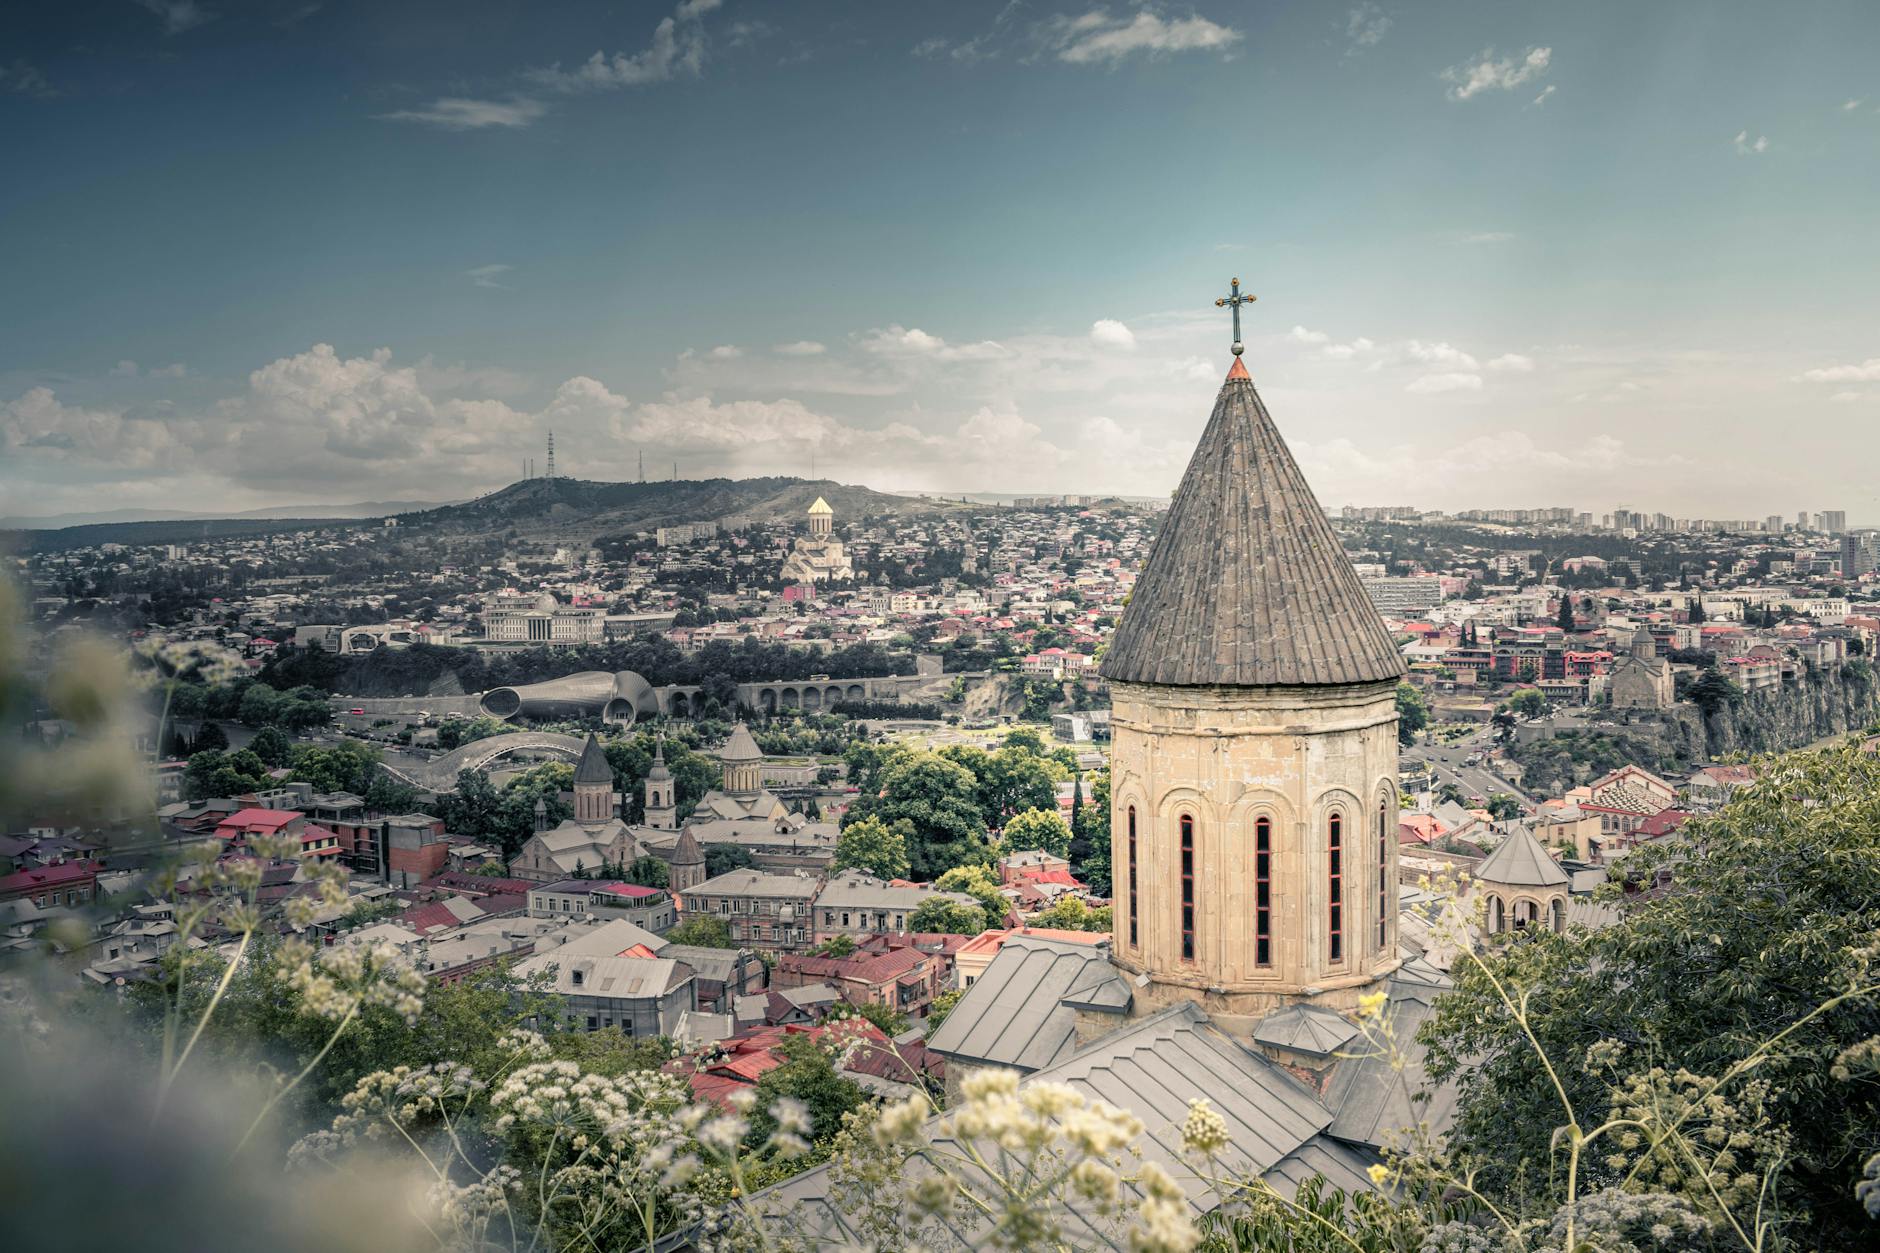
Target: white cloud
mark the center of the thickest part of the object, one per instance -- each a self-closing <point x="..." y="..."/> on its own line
<point x="678" y="48"/>
<point x="1844" y="398"/>
<point x="39" y="424"/>
<point x="1747" y="147"/>
<point x="1111" y="334"/>
<point x="458" y="113"/>
<point x="1098" y="38"/>
<point x="1487" y="73"/>
<point x="1546" y="91"/>
<point x="897" y="340"/>
<point x="727" y="352"/>
<point x="1300" y="335"/>
<point x="1867" y="371"/>
<point x="128" y="369"/>
<point x="486" y="276"/>
<point x="1439" y="354"/>
<point x="178" y="15"/>
<point x="23" y="78"/>
<point x="1435" y="384"/>
<point x="801" y="348"/>
<point x="124" y="370"/>
<point x="1512" y="363"/>
<point x="1848" y="106"/>
<point x="1366" y="26"/>
<point x="174" y="370"/>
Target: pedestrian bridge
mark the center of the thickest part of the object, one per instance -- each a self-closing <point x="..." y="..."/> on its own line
<point x="440" y="773"/>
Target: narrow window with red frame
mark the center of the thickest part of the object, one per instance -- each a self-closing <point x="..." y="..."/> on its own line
<point x="1335" y="839"/>
<point x="1132" y="876"/>
<point x="1188" y="888"/>
<point x="1263" y="892"/>
<point x="1383" y="871"/>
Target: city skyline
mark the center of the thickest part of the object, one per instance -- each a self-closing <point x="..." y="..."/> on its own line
<point x="293" y="254"/>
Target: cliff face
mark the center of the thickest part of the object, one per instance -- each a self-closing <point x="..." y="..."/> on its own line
<point x="1829" y="702"/>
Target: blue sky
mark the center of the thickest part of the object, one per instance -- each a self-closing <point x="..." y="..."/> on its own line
<point x="1594" y="254"/>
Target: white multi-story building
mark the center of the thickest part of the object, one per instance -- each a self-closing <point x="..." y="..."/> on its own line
<point x="1404" y="595"/>
<point x="513" y="618"/>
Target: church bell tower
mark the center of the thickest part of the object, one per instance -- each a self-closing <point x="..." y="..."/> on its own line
<point x="1254" y="752"/>
<point x="662" y="807"/>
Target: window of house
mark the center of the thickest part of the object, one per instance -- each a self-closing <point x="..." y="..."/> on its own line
<point x="1132" y="876"/>
<point x="1188" y="887"/>
<point x="594" y="1024"/>
<point x="1383" y="870"/>
<point x="1335" y="843"/>
<point x="1263" y="892"/>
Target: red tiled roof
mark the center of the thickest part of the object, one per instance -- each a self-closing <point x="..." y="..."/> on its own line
<point x="49" y="876"/>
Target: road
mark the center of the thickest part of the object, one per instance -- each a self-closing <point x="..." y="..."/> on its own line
<point x="1445" y="762"/>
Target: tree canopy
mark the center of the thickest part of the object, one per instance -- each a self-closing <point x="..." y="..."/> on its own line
<point x="875" y="846"/>
<point x="1755" y="919"/>
<point x="1043" y="829"/>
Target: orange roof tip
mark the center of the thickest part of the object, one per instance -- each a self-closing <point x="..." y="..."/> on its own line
<point x="1239" y="371"/>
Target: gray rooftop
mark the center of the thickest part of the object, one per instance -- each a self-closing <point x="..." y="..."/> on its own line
<point x="1247" y="585"/>
<point x="1521" y="862"/>
<point x="1153" y="1068"/>
<point x="1375" y="1096"/>
<point x="1309" y="1029"/>
<point x="1014" y="1014"/>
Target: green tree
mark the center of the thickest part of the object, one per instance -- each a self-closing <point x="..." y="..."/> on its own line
<point x="1564" y="619"/>
<point x="836" y="946"/>
<point x="1094" y="870"/>
<point x="272" y="746"/>
<point x="474" y="809"/>
<point x="1762" y="913"/>
<point x="648" y="871"/>
<point x="874" y="846"/>
<point x="387" y="795"/>
<point x="809" y="1075"/>
<point x="1040" y="829"/>
<point x="724" y="858"/>
<point x="1528" y="703"/>
<point x="1068" y="913"/>
<point x="980" y="882"/>
<point x="1502" y="807"/>
<point x="702" y="931"/>
<point x="948" y="917"/>
<point x="347" y="766"/>
<point x="892" y="1022"/>
<point x="940" y="800"/>
<point x="1413" y="714"/>
<point x="1712" y="691"/>
<point x="215" y="773"/>
<point x="942" y="1005"/>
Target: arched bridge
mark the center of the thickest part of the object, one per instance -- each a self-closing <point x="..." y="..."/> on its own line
<point x="440" y="773"/>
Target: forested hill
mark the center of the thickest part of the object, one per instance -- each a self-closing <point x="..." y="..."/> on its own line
<point x="578" y="508"/>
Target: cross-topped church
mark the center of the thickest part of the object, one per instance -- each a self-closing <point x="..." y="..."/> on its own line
<point x="1253" y="784"/>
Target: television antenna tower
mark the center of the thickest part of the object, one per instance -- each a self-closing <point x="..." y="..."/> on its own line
<point x="551" y="455"/>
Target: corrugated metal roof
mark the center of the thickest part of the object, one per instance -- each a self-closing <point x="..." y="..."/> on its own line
<point x="1013" y="1015"/>
<point x="1153" y="1068"/>
<point x="1247" y="585"/>
<point x="1374" y="1095"/>
<point x="1308" y="1029"/>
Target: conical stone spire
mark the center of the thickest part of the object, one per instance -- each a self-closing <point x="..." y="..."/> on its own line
<point x="593" y="768"/>
<point x="1247" y="585"/>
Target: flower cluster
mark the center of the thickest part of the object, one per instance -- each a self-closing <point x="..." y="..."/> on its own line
<point x="339" y="982"/>
<point x="1680" y="1133"/>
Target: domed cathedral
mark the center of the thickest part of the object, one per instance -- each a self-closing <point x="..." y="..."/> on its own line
<point x="1254" y="755"/>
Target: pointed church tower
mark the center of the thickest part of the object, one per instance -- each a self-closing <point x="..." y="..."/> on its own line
<point x="1254" y="755"/>
<point x="593" y="785"/>
<point x="662" y="806"/>
<point x="688" y="863"/>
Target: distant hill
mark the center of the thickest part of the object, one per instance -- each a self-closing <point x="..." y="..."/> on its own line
<point x="174" y="531"/>
<point x="580" y="511"/>
<point x="361" y="509"/>
<point x="564" y="510"/>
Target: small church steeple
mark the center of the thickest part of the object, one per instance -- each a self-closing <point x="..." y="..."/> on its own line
<point x="662" y="806"/>
<point x="593" y="784"/>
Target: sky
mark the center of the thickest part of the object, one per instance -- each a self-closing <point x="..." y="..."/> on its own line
<point x="259" y="253"/>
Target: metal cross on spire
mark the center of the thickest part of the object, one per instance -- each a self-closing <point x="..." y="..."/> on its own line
<point x="1234" y="300"/>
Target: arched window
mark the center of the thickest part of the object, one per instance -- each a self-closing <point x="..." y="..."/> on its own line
<point x="1497" y="920"/>
<point x="1132" y="876"/>
<point x="1383" y="870"/>
<point x="1188" y="888"/>
<point x="1557" y="914"/>
<point x="1263" y="892"/>
<point x="1335" y="843"/>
